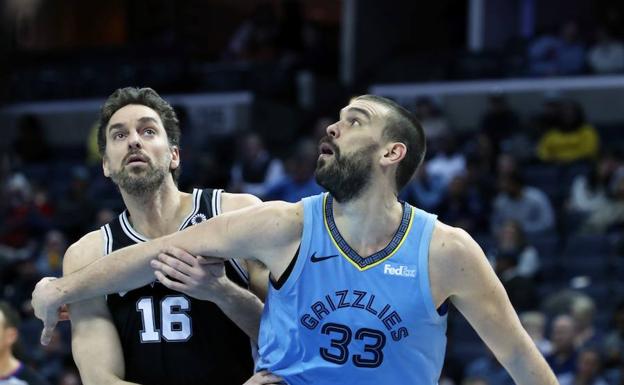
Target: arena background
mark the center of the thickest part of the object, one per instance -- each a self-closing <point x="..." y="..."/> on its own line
<point x="513" y="94"/>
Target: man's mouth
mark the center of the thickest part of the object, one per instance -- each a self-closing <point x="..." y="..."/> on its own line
<point x="326" y="149"/>
<point x="136" y="159"/>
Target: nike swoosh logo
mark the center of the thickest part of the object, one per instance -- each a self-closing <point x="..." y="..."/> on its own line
<point x="315" y="259"/>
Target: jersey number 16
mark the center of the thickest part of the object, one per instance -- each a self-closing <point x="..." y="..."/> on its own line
<point x="175" y="323"/>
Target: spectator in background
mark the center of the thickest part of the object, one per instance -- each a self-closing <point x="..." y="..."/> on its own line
<point x="506" y="164"/>
<point x="583" y="310"/>
<point x="481" y="180"/>
<point x="299" y="181"/>
<point x="256" y="38"/>
<point x="526" y="205"/>
<point x="463" y="207"/>
<point x="500" y="123"/>
<point x="425" y="191"/>
<point x="512" y="241"/>
<point x="572" y="51"/>
<point x="609" y="215"/>
<point x="521" y="290"/>
<point x="12" y="370"/>
<point x="574" y="139"/>
<point x="606" y="56"/>
<point x="562" y="360"/>
<point x="74" y="210"/>
<point x="589" y="192"/>
<point x="613" y="344"/>
<point x="30" y="145"/>
<point x="434" y="123"/>
<point x="22" y="217"/>
<point x="50" y="259"/>
<point x="448" y="162"/>
<point x="557" y="55"/>
<point x="543" y="54"/>
<point x="588" y="369"/>
<point x="534" y="322"/>
<point x="489" y="370"/>
<point x="256" y="170"/>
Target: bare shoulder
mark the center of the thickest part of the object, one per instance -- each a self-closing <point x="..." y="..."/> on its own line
<point x="455" y="259"/>
<point x="450" y="243"/>
<point x="83" y="252"/>
<point x="231" y="202"/>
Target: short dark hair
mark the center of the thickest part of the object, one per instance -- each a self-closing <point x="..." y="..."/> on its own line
<point x="11" y="317"/>
<point x="402" y="126"/>
<point x="146" y="97"/>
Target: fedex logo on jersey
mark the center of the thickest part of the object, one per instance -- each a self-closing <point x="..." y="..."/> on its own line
<point x="399" y="270"/>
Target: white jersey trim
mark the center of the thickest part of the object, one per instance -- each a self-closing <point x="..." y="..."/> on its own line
<point x="238" y="266"/>
<point x="138" y="237"/>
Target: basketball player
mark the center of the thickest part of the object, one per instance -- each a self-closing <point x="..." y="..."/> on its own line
<point x="12" y="370"/>
<point x="152" y="334"/>
<point x="361" y="298"/>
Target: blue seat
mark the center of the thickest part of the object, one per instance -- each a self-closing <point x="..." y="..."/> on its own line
<point x="595" y="266"/>
<point x="546" y="244"/>
<point x="545" y="178"/>
<point x="585" y="245"/>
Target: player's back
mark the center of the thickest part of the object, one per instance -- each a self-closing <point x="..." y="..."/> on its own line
<point x="338" y="318"/>
<point x="168" y="337"/>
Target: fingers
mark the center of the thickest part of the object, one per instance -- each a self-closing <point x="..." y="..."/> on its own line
<point x="264" y="377"/>
<point x="181" y="255"/>
<point x="177" y="286"/>
<point x="172" y="264"/>
<point x="48" y="330"/>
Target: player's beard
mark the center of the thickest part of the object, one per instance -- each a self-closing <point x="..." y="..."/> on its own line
<point x="140" y="184"/>
<point x="345" y="177"/>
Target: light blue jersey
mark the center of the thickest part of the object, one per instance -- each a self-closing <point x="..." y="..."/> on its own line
<point x="342" y="319"/>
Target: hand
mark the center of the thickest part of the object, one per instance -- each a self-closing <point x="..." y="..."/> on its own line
<point x="199" y="277"/>
<point x="47" y="306"/>
<point x="264" y="377"/>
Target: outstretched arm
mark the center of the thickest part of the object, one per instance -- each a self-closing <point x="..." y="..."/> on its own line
<point x="269" y="232"/>
<point x="460" y="271"/>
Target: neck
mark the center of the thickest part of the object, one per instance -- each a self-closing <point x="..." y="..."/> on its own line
<point x="8" y="363"/>
<point x="159" y="212"/>
<point x="369" y="221"/>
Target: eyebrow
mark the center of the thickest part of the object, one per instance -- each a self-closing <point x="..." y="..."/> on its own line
<point x="358" y="110"/>
<point x="143" y="120"/>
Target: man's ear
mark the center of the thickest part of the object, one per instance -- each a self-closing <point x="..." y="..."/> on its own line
<point x="175" y="157"/>
<point x="105" y="166"/>
<point x="394" y="152"/>
<point x="11" y="335"/>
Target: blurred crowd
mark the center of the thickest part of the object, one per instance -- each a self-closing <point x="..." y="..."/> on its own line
<point x="543" y="195"/>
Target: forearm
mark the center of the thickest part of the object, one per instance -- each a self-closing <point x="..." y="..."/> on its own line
<point x="122" y="270"/>
<point x="243" y="308"/>
<point x="528" y="367"/>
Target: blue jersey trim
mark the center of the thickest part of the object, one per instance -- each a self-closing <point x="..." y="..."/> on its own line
<point x="352" y="255"/>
